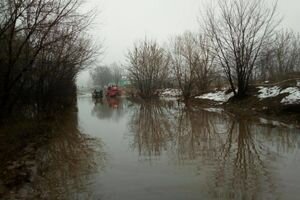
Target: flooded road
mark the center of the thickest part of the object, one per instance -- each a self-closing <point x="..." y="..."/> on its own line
<point x="164" y="150"/>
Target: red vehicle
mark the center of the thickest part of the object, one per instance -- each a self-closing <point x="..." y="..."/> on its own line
<point x="113" y="91"/>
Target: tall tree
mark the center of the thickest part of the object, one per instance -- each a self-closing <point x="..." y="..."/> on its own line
<point x="281" y="59"/>
<point x="192" y="63"/>
<point x="239" y="29"/>
<point x="148" y="67"/>
<point x="102" y="76"/>
<point x="117" y="73"/>
<point x="38" y="37"/>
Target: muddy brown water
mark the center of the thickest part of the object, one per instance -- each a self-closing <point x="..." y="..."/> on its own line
<point x="164" y="150"/>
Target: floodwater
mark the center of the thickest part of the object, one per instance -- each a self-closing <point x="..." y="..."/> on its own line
<point x="124" y="149"/>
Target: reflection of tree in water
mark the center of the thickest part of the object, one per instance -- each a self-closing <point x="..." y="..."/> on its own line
<point x="108" y="108"/>
<point x="237" y="155"/>
<point x="68" y="162"/>
<point x="242" y="170"/>
<point x="234" y="160"/>
<point x="284" y="139"/>
<point x="151" y="127"/>
<point x="196" y="134"/>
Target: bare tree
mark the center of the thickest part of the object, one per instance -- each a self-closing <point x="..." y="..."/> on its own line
<point x="56" y="68"/>
<point x="102" y="76"/>
<point x="192" y="63"/>
<point x="239" y="29"/>
<point x="117" y="73"/>
<point x="206" y="70"/>
<point x="38" y="37"/>
<point x="147" y="67"/>
<point x="281" y="59"/>
<point x="185" y="58"/>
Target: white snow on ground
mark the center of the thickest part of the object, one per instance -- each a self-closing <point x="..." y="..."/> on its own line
<point x="293" y="94"/>
<point x="298" y="83"/>
<point x="292" y="97"/>
<point x="219" y="96"/>
<point x="170" y="93"/>
<point x="265" y="92"/>
<point x="289" y="90"/>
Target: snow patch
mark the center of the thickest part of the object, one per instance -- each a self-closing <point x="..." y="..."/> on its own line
<point x="219" y="96"/>
<point x="293" y="97"/>
<point x="298" y="83"/>
<point x="170" y="93"/>
<point x="265" y="92"/>
<point x="289" y="90"/>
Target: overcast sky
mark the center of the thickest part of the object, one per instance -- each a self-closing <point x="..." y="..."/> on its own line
<point x="122" y="22"/>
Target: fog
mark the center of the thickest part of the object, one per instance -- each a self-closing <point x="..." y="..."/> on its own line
<point x="120" y="23"/>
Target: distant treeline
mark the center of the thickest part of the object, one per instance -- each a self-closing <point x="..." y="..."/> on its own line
<point x="239" y="43"/>
<point x="103" y="75"/>
<point x="42" y="48"/>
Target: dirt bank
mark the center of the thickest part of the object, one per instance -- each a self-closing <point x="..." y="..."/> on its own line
<point x="279" y="102"/>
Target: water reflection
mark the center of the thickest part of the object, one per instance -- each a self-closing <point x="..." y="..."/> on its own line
<point x="194" y="153"/>
<point x="238" y="156"/>
<point x="243" y="169"/>
<point x="197" y="133"/>
<point x="109" y="108"/>
<point x="151" y="127"/>
<point x="68" y="162"/>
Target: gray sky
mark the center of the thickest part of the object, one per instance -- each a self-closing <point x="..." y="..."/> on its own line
<point x="122" y="22"/>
